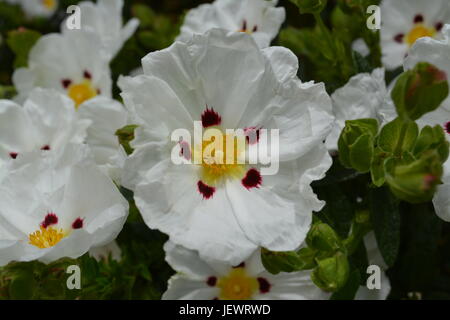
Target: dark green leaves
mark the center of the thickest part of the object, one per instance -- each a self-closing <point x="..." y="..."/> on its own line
<point x="385" y="218"/>
<point x="310" y="6"/>
<point x="419" y="91"/>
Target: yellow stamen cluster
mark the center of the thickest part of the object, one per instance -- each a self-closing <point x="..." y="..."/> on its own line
<point x="419" y="31"/>
<point x="46" y="237"/>
<point x="237" y="285"/>
<point x="49" y="4"/>
<point x="81" y="92"/>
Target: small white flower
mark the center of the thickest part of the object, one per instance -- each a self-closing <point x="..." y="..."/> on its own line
<point x="48" y="209"/>
<point x="105" y="19"/>
<point x="225" y="81"/>
<point x="200" y="279"/>
<point x="102" y="253"/>
<point x="436" y="52"/>
<point x="374" y="258"/>
<point x="260" y="18"/>
<point x="39" y="8"/>
<point x="107" y="116"/>
<point x="364" y="96"/>
<point x="72" y="63"/>
<point x="405" y="21"/>
<point x="47" y="121"/>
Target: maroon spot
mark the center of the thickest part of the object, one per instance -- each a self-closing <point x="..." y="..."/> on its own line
<point x="244" y="25"/>
<point x="399" y="38"/>
<point x="13" y="155"/>
<point x="46" y="148"/>
<point x="66" y="83"/>
<point x="252" y="135"/>
<point x="418" y="18"/>
<point x="87" y="75"/>
<point x="99" y="91"/>
<point x="252" y="179"/>
<point x="50" y="219"/>
<point x="211" y="281"/>
<point x="447" y="127"/>
<point x="264" y="285"/>
<point x="185" y="150"/>
<point x="255" y="28"/>
<point x="241" y="265"/>
<point x="439" y="26"/>
<point x="78" y="223"/>
<point x="210" y="118"/>
<point x="215" y="298"/>
<point x="205" y="190"/>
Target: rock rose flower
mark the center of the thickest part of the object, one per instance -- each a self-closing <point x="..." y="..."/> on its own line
<point x="224" y="81"/>
<point x="405" y="21"/>
<point x="211" y="280"/>
<point x="48" y="209"/>
<point x="260" y="18"/>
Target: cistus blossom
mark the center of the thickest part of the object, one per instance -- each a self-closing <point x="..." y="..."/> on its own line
<point x="73" y="63"/>
<point x="260" y="18"/>
<point x="199" y="279"/>
<point x="46" y="122"/>
<point x="436" y="52"/>
<point x="48" y="209"/>
<point x="364" y="96"/>
<point x="36" y="8"/>
<point x="224" y="80"/>
<point x="405" y="21"/>
<point x="104" y="19"/>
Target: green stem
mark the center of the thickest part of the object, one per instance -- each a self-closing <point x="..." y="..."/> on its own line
<point x="325" y="31"/>
<point x="398" y="148"/>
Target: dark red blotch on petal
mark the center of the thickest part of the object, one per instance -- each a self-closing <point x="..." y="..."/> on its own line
<point x="252" y="135"/>
<point x="87" y="75"/>
<point x="241" y="265"/>
<point x="46" y="148"/>
<point x="205" y="190"/>
<point x="77" y="224"/>
<point x="13" y="155"/>
<point x="399" y="38"/>
<point x="50" y="219"/>
<point x="418" y="18"/>
<point x="210" y="118"/>
<point x="211" y="281"/>
<point x="66" y="83"/>
<point x="439" y="26"/>
<point x="255" y="28"/>
<point x="264" y="285"/>
<point x="447" y="127"/>
<point x="252" y="179"/>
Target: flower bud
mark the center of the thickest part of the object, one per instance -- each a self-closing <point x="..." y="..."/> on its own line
<point x="419" y="91"/>
<point x="356" y="143"/>
<point x="415" y="182"/>
<point x="331" y="273"/>
<point x="322" y="237"/>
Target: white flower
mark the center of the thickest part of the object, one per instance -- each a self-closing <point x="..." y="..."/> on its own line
<point x="436" y="52"/>
<point x="47" y="121"/>
<point x="360" y="46"/>
<point x="39" y="8"/>
<point x="260" y="18"/>
<point x="72" y="63"/>
<point x="225" y="81"/>
<point x="48" y="209"/>
<point x="105" y="19"/>
<point x="200" y="279"/>
<point x="107" y="116"/>
<point x="374" y="258"/>
<point x="364" y="96"/>
<point x="102" y="253"/>
<point x="405" y="21"/>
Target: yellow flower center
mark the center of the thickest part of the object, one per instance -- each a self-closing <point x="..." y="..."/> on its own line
<point x="49" y="4"/>
<point x="219" y="161"/>
<point x="81" y="92"/>
<point x="46" y="237"/>
<point x="237" y="285"/>
<point x="419" y="31"/>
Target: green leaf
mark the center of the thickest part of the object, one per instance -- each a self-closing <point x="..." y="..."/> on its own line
<point x="310" y="6"/>
<point x="385" y="217"/>
<point x="331" y="274"/>
<point x="22" y="287"/>
<point x="289" y="261"/>
<point x="20" y="42"/>
<point x="322" y="237"/>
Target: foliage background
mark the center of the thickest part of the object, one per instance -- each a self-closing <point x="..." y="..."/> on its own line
<point x="414" y="241"/>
